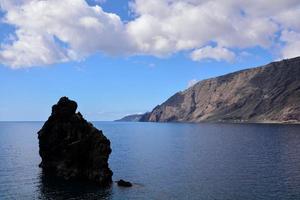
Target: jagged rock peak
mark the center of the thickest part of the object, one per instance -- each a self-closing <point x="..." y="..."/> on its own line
<point x="64" y="108"/>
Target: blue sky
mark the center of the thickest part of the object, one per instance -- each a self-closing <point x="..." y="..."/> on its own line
<point x="108" y="85"/>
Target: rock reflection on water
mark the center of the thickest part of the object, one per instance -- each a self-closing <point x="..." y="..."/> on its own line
<point x="51" y="187"/>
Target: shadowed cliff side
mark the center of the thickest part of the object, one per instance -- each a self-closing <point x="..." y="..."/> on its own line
<point x="72" y="148"/>
<point x="270" y="93"/>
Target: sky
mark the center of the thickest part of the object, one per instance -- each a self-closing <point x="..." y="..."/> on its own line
<point x="117" y="58"/>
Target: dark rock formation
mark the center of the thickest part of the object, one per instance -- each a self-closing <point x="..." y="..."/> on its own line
<point x="130" y="118"/>
<point x="265" y="94"/>
<point x="70" y="147"/>
<point x="123" y="183"/>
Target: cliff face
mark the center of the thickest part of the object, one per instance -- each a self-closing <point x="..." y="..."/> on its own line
<point x="72" y="148"/>
<point x="269" y="93"/>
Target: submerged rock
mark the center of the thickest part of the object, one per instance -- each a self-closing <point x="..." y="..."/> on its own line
<point x="123" y="183"/>
<point x="72" y="148"/>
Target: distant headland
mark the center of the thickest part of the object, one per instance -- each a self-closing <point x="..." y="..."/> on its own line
<point x="266" y="94"/>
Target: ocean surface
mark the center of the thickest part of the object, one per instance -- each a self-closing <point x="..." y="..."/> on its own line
<point x="165" y="161"/>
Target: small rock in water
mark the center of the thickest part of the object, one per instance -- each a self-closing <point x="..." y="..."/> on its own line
<point x="123" y="183"/>
<point x="72" y="148"/>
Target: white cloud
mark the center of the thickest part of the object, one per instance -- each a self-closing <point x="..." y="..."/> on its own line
<point x="216" y="53"/>
<point x="289" y="18"/>
<point x="43" y="26"/>
<point x="53" y="31"/>
<point x="292" y="44"/>
<point x="192" y="83"/>
<point x="167" y="26"/>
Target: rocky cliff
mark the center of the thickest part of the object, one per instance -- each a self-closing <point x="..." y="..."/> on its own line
<point x="72" y="148"/>
<point x="270" y="93"/>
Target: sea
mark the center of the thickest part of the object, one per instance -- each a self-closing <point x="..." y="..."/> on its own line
<point x="165" y="161"/>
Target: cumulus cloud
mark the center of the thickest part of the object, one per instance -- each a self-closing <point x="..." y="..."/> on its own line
<point x="216" y="53"/>
<point x="292" y="44"/>
<point x="166" y="26"/>
<point x="52" y="31"/>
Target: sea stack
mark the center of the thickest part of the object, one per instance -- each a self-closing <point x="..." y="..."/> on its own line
<point x="72" y="148"/>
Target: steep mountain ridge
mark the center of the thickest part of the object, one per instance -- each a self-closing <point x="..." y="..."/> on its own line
<point x="270" y="93"/>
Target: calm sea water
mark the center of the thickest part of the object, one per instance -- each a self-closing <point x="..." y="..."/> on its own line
<point x="165" y="161"/>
